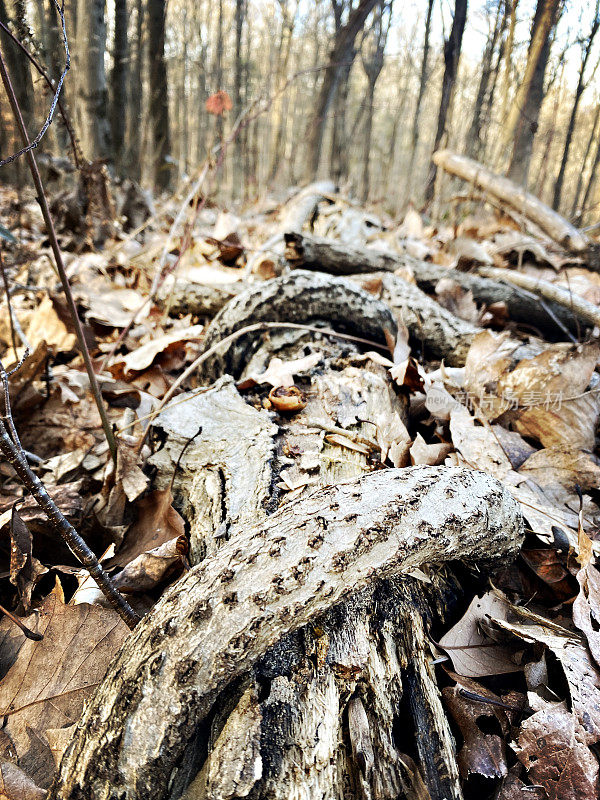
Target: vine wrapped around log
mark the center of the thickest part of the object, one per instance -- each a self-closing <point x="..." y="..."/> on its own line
<point x="272" y="578"/>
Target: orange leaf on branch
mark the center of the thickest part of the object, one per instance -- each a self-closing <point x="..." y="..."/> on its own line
<point x="219" y="103"/>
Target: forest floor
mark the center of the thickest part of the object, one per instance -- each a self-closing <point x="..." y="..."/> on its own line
<point x="496" y="387"/>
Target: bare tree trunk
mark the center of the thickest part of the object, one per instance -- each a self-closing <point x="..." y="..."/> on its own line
<point x="581" y="85"/>
<point x="591" y="181"/>
<point x="119" y="80"/>
<point x="342" y="53"/>
<point x="474" y="139"/>
<point x="546" y="16"/>
<point x="594" y="133"/>
<point x="527" y="124"/>
<point x="133" y="165"/>
<point x="159" y="99"/>
<point x="18" y="67"/>
<point x="423" y="77"/>
<point x="372" y="61"/>
<point x="452" y="48"/>
<point x="92" y="106"/>
<point x="339" y="137"/>
<point x="238" y="166"/>
<point x="282" y="104"/>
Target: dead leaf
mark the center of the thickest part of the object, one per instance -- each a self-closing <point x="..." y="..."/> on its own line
<point x="49" y="681"/>
<point x="482" y="753"/>
<point x="428" y="454"/>
<point x="45" y="325"/>
<point x="457" y="300"/>
<point x="25" y="570"/>
<point x="142" y="358"/>
<point x="153" y="567"/>
<point x="472" y="652"/>
<point x="280" y="372"/>
<point x="551" y="745"/>
<point x="586" y="608"/>
<point x="218" y="103"/>
<point x="16" y="785"/>
<point x="158" y="522"/>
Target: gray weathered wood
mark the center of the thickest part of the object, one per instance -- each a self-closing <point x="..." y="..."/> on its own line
<point x="275" y="577"/>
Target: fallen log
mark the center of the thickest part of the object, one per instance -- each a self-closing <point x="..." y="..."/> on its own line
<point x="505" y="190"/>
<point x="312" y="253"/>
<point x="296" y="213"/>
<point x="588" y="312"/>
<point x="267" y="581"/>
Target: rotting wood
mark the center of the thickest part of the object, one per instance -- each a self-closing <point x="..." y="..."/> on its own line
<point x="220" y="618"/>
<point x="582" y="308"/>
<point x="439" y="332"/>
<point x="313" y="253"/>
<point x="300" y="297"/>
<point x="296" y="213"/>
<point x="552" y="223"/>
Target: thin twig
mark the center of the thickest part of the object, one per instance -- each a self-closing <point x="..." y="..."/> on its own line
<point x="36" y="637"/>
<point x="27" y="145"/>
<point x="43" y="203"/>
<point x="11" y="449"/>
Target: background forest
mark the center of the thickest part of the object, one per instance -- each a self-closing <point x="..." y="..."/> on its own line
<point x="359" y="90"/>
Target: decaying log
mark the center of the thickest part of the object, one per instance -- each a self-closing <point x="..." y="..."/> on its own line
<point x="439" y="332"/>
<point x="588" y="312"/>
<point x="296" y="213"/>
<point x="302" y="297"/>
<point x="200" y="299"/>
<point x="310" y="252"/>
<point x="514" y="196"/>
<point x="269" y="580"/>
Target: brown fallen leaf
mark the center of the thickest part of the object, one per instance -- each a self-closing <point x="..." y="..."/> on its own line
<point x="552" y="397"/>
<point x="472" y="652"/>
<point x="551" y="745"/>
<point x="158" y="522"/>
<point x="586" y="608"/>
<point x="45" y="325"/>
<point x="49" y="681"/>
<point x="16" y="785"/>
<point x="457" y="300"/>
<point x="153" y="567"/>
<point x="25" y="570"/>
<point x="482" y="753"/>
<point x="142" y="358"/>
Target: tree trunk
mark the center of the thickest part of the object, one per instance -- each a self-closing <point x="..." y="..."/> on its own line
<point x="341" y="54"/>
<point x="275" y="668"/>
<point x="238" y="164"/>
<point x="423" y="78"/>
<point x="133" y="165"/>
<point x="594" y="134"/>
<point x="18" y="68"/>
<point x="452" y="49"/>
<point x="159" y="98"/>
<point x="92" y="108"/>
<point x="527" y="124"/>
<point x="119" y="80"/>
<point x="545" y="19"/>
<point x="591" y="181"/>
<point x="474" y="140"/>
<point x="581" y="85"/>
<point x="339" y="136"/>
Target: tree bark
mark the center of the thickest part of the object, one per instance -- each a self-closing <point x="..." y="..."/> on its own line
<point x="266" y="582"/>
<point x="452" y="49"/>
<point x="576" y="211"/>
<point x="92" y="108"/>
<point x="342" y="53"/>
<point x="581" y="85"/>
<point x="312" y="253"/>
<point x="159" y="98"/>
<point x="119" y="81"/>
<point x="514" y="196"/>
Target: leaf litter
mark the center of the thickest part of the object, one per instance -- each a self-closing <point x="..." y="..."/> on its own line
<point x="524" y="685"/>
